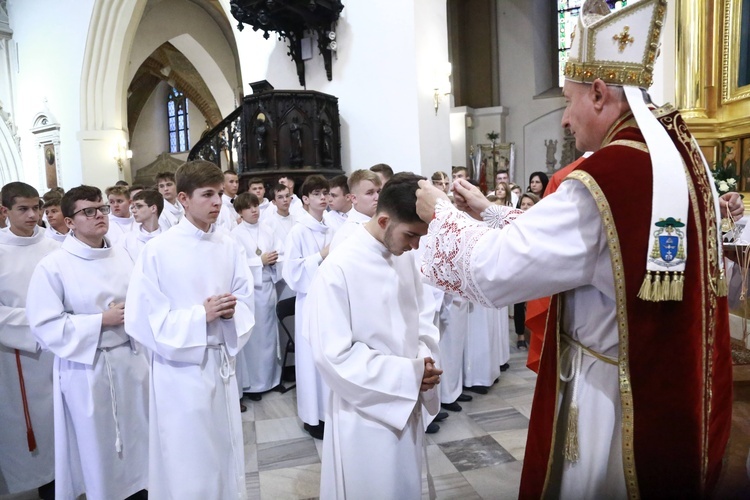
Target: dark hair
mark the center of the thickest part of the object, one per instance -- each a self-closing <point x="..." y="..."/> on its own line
<point x="197" y="174"/>
<point x="229" y="171"/>
<point x="14" y="190"/>
<point x="384" y="169"/>
<point x="137" y="187"/>
<point x="151" y="198"/>
<point x="164" y="176"/>
<point x="502" y="171"/>
<point x="255" y="180"/>
<point x="244" y="201"/>
<point x="275" y="189"/>
<point x="542" y="177"/>
<point x="121" y="183"/>
<point x="313" y="183"/>
<point x="398" y="198"/>
<point x="455" y="170"/>
<point x="340" y="181"/>
<point x="83" y="192"/>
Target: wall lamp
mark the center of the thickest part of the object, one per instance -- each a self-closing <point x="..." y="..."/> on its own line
<point x="122" y="154"/>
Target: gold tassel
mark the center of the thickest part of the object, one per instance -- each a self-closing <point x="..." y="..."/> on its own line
<point x="721" y="286"/>
<point x="678" y="281"/>
<point x="656" y="291"/>
<point x="666" y="287"/>
<point x="571" y="437"/>
<point x="646" y="288"/>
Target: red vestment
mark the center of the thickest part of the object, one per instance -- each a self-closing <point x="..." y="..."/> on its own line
<point x="675" y="372"/>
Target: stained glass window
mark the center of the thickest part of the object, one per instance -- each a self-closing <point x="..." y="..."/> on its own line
<point x="567" y="17"/>
<point x="177" y="117"/>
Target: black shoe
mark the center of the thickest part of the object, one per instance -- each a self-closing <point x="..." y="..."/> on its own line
<point x="504" y="368"/>
<point x="315" y="431"/>
<point x="521" y="345"/>
<point x="243" y="408"/>
<point x="451" y="406"/>
<point x="440" y="416"/>
<point x="47" y="491"/>
<point x="254" y="396"/>
<point x="432" y="428"/>
<point x="463" y="398"/>
<point x="478" y="389"/>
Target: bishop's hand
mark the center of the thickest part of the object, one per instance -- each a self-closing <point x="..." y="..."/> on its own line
<point x="427" y="197"/>
<point x="469" y="198"/>
<point x="731" y="205"/>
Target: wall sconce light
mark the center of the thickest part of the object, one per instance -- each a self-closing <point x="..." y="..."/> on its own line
<point x="442" y="84"/>
<point x="122" y="153"/>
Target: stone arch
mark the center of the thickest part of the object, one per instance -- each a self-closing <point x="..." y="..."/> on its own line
<point x="10" y="157"/>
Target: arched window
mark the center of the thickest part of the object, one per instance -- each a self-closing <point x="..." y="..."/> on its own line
<point x="177" y="118"/>
<point x="567" y="17"/>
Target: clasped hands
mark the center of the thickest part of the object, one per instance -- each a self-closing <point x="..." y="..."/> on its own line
<point x="431" y="375"/>
<point x="220" y="306"/>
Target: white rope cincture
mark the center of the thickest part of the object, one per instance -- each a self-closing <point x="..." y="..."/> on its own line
<point x="113" y="394"/>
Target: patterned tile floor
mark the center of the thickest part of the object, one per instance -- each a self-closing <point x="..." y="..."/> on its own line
<point x="477" y="454"/>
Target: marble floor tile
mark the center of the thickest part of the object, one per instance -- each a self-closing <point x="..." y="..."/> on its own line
<point x="248" y="432"/>
<point x="484" y="402"/>
<point x="450" y="487"/>
<point x="513" y="441"/>
<point x="285" y="454"/>
<point x="476" y="453"/>
<point x="456" y="427"/>
<point x="251" y="458"/>
<point x="500" y="420"/>
<point x="498" y="482"/>
<point x="252" y="485"/>
<point x="515" y="390"/>
<point x="438" y="463"/>
<point x="319" y="448"/>
<point x="279" y="429"/>
<point x="276" y="405"/>
<point x="292" y="483"/>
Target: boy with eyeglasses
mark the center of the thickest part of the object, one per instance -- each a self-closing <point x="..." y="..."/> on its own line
<point x="76" y="307"/>
<point x="147" y="206"/>
<point x="27" y="459"/>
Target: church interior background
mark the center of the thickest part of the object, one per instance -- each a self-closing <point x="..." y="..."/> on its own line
<point x="95" y="91"/>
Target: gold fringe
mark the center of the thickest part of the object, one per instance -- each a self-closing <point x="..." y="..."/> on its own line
<point x="722" y="288"/>
<point x="571" y="437"/>
<point x="663" y="286"/>
<point x="645" y="292"/>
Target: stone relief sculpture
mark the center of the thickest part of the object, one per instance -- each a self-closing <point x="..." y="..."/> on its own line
<point x="551" y="146"/>
<point x="260" y="138"/>
<point x="295" y="141"/>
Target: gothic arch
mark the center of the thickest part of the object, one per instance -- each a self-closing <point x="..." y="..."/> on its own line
<point x="10" y="158"/>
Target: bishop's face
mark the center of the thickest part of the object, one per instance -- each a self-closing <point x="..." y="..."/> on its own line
<point x="580" y="113"/>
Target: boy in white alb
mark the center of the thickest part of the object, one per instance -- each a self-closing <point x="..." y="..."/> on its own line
<point x="147" y="206"/>
<point x="339" y="203"/>
<point x="364" y="188"/>
<point x="190" y="302"/>
<point x="280" y="222"/>
<point x="306" y="247"/>
<point x="256" y="186"/>
<point x="228" y="217"/>
<point x="376" y="347"/>
<point x="262" y="363"/>
<point x="296" y="208"/>
<point x="27" y="441"/>
<point x="121" y="222"/>
<point x="75" y="308"/>
<point x="56" y="227"/>
<point x="173" y="211"/>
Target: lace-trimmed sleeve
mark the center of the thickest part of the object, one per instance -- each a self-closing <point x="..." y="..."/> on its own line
<point x="450" y="242"/>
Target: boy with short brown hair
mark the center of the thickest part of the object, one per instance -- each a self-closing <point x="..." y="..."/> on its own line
<point x="121" y="222"/>
<point x="194" y="322"/>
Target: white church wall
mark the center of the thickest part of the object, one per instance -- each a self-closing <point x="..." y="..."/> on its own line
<point x="51" y="36"/>
<point x="536" y="135"/>
<point x="378" y="76"/>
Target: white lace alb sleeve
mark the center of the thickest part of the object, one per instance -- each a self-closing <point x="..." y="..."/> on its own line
<point x="449" y="244"/>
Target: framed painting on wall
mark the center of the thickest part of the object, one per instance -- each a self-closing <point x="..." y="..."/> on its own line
<point x="745" y="165"/>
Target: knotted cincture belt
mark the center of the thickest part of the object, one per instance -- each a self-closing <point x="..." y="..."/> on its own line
<point x="573" y="352"/>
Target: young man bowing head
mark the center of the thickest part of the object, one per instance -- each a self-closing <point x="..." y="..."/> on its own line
<point x="376" y="347"/>
<point x="190" y="302"/>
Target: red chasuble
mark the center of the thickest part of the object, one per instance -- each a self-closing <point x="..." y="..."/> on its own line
<point x="674" y="360"/>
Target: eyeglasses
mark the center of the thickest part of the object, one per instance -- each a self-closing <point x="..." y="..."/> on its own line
<point x="90" y="212"/>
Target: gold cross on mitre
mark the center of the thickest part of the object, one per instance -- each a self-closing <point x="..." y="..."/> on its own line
<point x="624" y="38"/>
